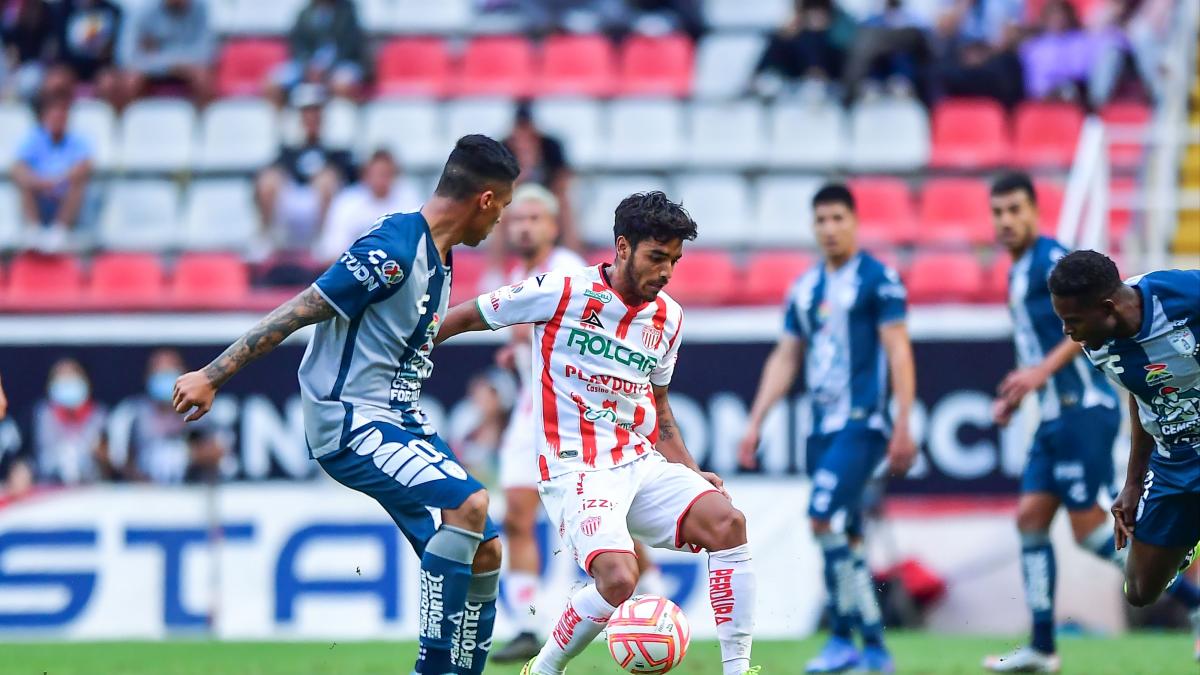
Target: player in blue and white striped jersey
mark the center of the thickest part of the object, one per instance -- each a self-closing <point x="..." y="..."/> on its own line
<point x="377" y="310"/>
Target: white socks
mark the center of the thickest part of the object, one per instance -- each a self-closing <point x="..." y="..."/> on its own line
<point x="520" y="591"/>
<point x="731" y="590"/>
<point x="586" y="615"/>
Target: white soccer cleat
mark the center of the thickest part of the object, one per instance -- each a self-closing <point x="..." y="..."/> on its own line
<point x="1023" y="660"/>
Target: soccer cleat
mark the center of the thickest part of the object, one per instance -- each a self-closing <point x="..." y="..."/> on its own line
<point x="523" y="647"/>
<point x="837" y="656"/>
<point x="876" y="659"/>
<point x="754" y="670"/>
<point x="1023" y="660"/>
<point x="528" y="669"/>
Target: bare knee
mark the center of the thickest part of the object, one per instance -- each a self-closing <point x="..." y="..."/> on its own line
<point x="1138" y="595"/>
<point x="820" y="527"/>
<point x="1031" y="520"/>
<point x="471" y="514"/>
<point x="488" y="557"/>
<point x="616" y="577"/>
<point x="729" y="531"/>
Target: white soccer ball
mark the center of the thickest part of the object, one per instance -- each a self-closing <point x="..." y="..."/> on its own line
<point x="648" y="634"/>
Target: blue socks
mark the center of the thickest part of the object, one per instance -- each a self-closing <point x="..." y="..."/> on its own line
<point x="1038" y="570"/>
<point x="1184" y="591"/>
<point x="445" y="578"/>
<point x="839" y="583"/>
<point x="868" y="605"/>
<point x="474" y="636"/>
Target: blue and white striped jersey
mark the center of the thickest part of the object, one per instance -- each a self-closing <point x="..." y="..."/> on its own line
<point x="1037" y="330"/>
<point x="837" y="313"/>
<point x="390" y="291"/>
<point x="1160" y="365"/>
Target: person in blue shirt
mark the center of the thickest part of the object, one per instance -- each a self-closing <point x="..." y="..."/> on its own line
<point x="1143" y="335"/>
<point x="52" y="171"/>
<point x="845" y="322"/>
<point x="377" y="310"/>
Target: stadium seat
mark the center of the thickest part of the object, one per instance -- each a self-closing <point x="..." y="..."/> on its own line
<point x="577" y="65"/>
<point x="770" y="274"/>
<point x="339" y="124"/>
<point x="720" y="205"/>
<point x="954" y="212"/>
<point x="577" y="122"/>
<point x="1128" y="125"/>
<point x="220" y="214"/>
<point x="889" y="135"/>
<point x="656" y="66"/>
<point x="763" y="15"/>
<point x="969" y="133"/>
<point x="602" y="194"/>
<point x="725" y="135"/>
<point x="1050" y="202"/>
<point x="782" y="215"/>
<point x="491" y="116"/>
<point x="245" y="65"/>
<point x="725" y="64"/>
<point x="410" y="128"/>
<point x="10" y="216"/>
<point x="157" y="134"/>
<point x="885" y="211"/>
<point x="94" y="120"/>
<point x="126" y="279"/>
<point x="705" y="277"/>
<point x="255" y="17"/>
<point x="237" y="135"/>
<point x="42" y="280"/>
<point x="422" y="17"/>
<point x="209" y="280"/>
<point x="16" y="119"/>
<point x="469" y="270"/>
<point x="806" y="136"/>
<point x="140" y="215"/>
<point x="496" y="66"/>
<point x="944" y="277"/>
<point x="1045" y="134"/>
<point x="222" y="14"/>
<point x="995" y="278"/>
<point x="413" y="67"/>
<point x="645" y="134"/>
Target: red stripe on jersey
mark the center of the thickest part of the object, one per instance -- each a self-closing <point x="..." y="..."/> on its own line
<point x="593" y="306"/>
<point x="622" y="435"/>
<point x="543" y="467"/>
<point x="623" y="327"/>
<point x="549" y="404"/>
<point x="587" y="431"/>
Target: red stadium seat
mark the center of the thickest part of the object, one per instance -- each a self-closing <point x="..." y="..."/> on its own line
<point x="995" y="278"/>
<point x="885" y="211"/>
<point x="413" y="67"/>
<point x="955" y="211"/>
<point x="1046" y="133"/>
<point x="45" y="280"/>
<point x="770" y="275"/>
<point x="469" y="270"/>
<point x="245" y="65"/>
<point x="705" y="278"/>
<point x="580" y="65"/>
<point x="969" y="133"/>
<point x="126" y="279"/>
<point x="660" y="66"/>
<point x="497" y="66"/>
<point x="1126" y="119"/>
<point x="209" y="280"/>
<point x="1050" y="203"/>
<point x="945" y="277"/>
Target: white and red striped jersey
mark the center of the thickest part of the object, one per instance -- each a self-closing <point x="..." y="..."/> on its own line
<point x="560" y="259"/>
<point x="594" y="362"/>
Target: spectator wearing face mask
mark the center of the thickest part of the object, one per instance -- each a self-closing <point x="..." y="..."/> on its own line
<point x="69" y="442"/>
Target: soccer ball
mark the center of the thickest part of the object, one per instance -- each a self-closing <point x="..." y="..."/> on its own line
<point x="648" y="634"/>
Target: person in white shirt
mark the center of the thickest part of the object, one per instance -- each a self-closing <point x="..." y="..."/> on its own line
<point x="380" y="191"/>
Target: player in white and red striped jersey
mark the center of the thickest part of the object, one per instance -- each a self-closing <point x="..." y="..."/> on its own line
<point x="611" y="463"/>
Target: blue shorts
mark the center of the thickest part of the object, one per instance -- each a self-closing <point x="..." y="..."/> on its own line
<point x="407" y="474"/>
<point x="1169" y="511"/>
<point x="841" y="465"/>
<point x="1072" y="456"/>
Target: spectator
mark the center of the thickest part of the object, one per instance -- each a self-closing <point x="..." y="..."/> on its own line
<point x="69" y="443"/>
<point x="992" y="22"/>
<point x="891" y="48"/>
<point x="162" y="449"/>
<point x="1132" y="34"/>
<point x="172" y="45"/>
<point x="1058" y="60"/>
<point x="52" y="171"/>
<point x="29" y="35"/>
<point x="975" y="56"/>
<point x="382" y="190"/>
<point x="88" y="39"/>
<point x="327" y="47"/>
<point x="543" y="162"/>
<point x="295" y="192"/>
<point x="810" y="47"/>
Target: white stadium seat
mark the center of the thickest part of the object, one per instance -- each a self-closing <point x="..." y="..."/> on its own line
<point x="220" y="214"/>
<point x="140" y="215"/>
<point x="339" y="124"/>
<point x="261" y="17"/>
<point x="238" y="134"/>
<point x="805" y="136"/>
<point x="720" y="205"/>
<point x="423" y="16"/>
<point x="223" y="15"/>
<point x="889" y="135"/>
<point x="409" y="128"/>
<point x="601" y="196"/>
<point x="783" y="215"/>
<point x="726" y="135"/>
<point x="95" y="122"/>
<point x="157" y="135"/>
<point x="725" y="64"/>
<point x="16" y="120"/>
<point x="491" y="116"/>
<point x="578" y="123"/>
<point x="10" y="216"/>
<point x="758" y="14"/>
<point x="645" y="134"/>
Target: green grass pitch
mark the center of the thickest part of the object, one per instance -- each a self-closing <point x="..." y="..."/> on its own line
<point x="916" y="654"/>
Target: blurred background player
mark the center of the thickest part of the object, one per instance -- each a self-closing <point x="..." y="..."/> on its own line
<point x="362" y="418"/>
<point x="1144" y="335"/>
<point x="843" y="317"/>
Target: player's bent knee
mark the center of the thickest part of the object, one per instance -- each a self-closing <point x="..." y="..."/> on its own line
<point x="471" y="514"/>
<point x="1136" y="594"/>
<point x="617" y="585"/>
<point x="488" y="557"/>
<point x="729" y="531"/>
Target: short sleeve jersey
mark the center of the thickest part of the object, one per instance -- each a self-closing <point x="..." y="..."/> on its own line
<point x="560" y="259"/>
<point x="595" y="360"/>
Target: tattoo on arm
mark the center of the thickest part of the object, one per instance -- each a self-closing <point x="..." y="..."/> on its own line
<point x="306" y="308"/>
<point x="666" y="424"/>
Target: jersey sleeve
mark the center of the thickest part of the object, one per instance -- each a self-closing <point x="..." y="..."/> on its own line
<point x="534" y="300"/>
<point x="662" y="373"/>
<point x="891" y="298"/>
<point x="374" y="268"/>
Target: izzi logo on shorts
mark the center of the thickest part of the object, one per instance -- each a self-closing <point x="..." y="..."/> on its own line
<point x="601" y="345"/>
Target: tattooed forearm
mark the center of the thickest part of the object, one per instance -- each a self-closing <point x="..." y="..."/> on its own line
<point x="306" y="308"/>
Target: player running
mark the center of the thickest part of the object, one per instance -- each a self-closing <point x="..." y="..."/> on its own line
<point x="611" y="463"/>
<point x="844" y="319"/>
<point x="376" y="311"/>
<point x="1143" y="335"/>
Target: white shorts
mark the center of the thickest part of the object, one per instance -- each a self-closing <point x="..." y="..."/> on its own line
<point x="518" y="448"/>
<point x="605" y="510"/>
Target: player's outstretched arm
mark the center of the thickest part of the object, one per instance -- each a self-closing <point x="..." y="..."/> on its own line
<point x="1020" y="382"/>
<point x="1124" y="508"/>
<point x="898" y="347"/>
<point x="197" y="388"/>
<point x="670" y="441"/>
<point x="778" y="375"/>
<point x="462" y="318"/>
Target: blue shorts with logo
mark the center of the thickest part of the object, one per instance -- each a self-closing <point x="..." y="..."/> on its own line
<point x="407" y="474"/>
<point x="841" y="465"/>
<point x="1169" y="511"/>
<point x="1072" y="456"/>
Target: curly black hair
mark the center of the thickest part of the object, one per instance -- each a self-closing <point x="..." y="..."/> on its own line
<point x="476" y="162"/>
<point x="1085" y="274"/>
<point x="651" y="215"/>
